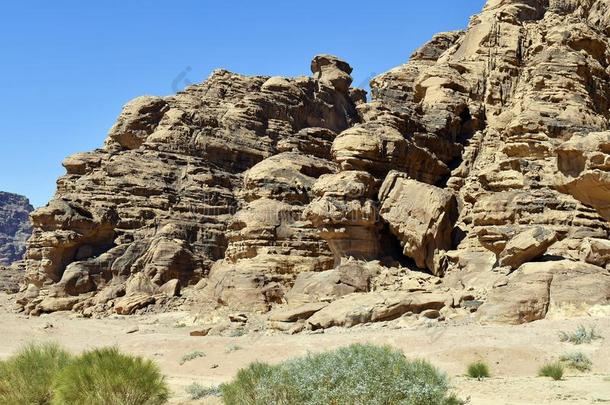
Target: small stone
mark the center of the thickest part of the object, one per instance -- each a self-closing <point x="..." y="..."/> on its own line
<point x="239" y="318"/>
<point x="201" y="332"/>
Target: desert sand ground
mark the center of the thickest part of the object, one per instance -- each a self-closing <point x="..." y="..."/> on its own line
<point x="514" y="352"/>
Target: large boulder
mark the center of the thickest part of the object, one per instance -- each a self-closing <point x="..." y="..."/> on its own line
<point x="329" y="285"/>
<point x="356" y="309"/>
<point x="421" y="216"/>
<point x="526" y="246"/>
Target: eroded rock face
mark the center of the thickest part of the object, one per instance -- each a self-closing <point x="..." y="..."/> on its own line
<point x="15" y="227"/>
<point x="484" y="159"/>
<point x="584" y="163"/>
<point x="168" y="194"/>
<point x="552" y="289"/>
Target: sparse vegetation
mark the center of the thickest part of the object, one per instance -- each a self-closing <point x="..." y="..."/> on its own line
<point x="237" y="332"/>
<point x="232" y="348"/>
<point x="27" y="377"/>
<point x="47" y="374"/>
<point x="105" y="376"/>
<point x="359" y="374"/>
<point x="198" y="391"/>
<point x="553" y="370"/>
<point x="576" y="360"/>
<point x="580" y="336"/>
<point x="478" y="370"/>
<point x="191" y="356"/>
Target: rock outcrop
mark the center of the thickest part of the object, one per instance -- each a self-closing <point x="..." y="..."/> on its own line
<point x="584" y="164"/>
<point x="15" y="227"/>
<point x="483" y="159"/>
<point x="552" y="289"/>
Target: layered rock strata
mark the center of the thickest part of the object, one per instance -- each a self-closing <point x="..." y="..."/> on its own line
<point x="484" y="159"/>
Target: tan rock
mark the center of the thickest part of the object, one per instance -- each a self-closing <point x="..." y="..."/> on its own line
<point x="171" y="288"/>
<point x="585" y="165"/>
<point x="526" y="246"/>
<point x="249" y="182"/>
<point x="596" y="251"/>
<point x="550" y="289"/>
<point x="128" y="305"/>
<point x="140" y="284"/>
<point x="421" y="216"/>
<point x="171" y="175"/>
<point x="54" y="304"/>
<point x="137" y="121"/>
<point x="355" y="309"/>
<point x="295" y="313"/>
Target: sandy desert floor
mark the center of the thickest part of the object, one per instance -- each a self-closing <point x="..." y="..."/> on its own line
<point x="514" y="352"/>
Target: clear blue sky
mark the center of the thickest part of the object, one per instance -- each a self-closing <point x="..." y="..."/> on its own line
<point x="67" y="67"/>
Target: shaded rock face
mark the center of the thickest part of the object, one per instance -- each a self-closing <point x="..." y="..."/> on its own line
<point x="488" y="150"/>
<point x="15" y="227"/>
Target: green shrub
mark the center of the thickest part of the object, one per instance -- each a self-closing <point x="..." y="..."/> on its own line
<point x="27" y="377"/>
<point x="478" y="370"/>
<point x="358" y="374"/>
<point x="553" y="370"/>
<point x="191" y="356"/>
<point x="105" y="376"/>
<point x="198" y="391"/>
<point x="579" y="336"/>
<point x="576" y="360"/>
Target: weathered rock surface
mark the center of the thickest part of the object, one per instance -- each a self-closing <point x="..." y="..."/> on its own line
<point x="421" y="216"/>
<point x="356" y="309"/>
<point x="526" y="246"/>
<point x="15" y="227"/>
<point x="486" y="152"/>
<point x="584" y="162"/>
<point x="552" y="289"/>
<point x="596" y="251"/>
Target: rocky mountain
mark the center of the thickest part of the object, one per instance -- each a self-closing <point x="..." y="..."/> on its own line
<point x="477" y="179"/>
<point x="15" y="227"/>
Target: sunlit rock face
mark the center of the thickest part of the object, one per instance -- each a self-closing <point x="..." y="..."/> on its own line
<point x="484" y="154"/>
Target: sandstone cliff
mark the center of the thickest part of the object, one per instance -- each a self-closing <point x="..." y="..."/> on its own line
<point x="483" y="161"/>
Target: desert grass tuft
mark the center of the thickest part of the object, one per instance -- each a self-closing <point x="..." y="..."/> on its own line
<point x="105" y="376"/>
<point x="553" y="370"/>
<point x="478" y="370"/>
<point x="27" y="377"/>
